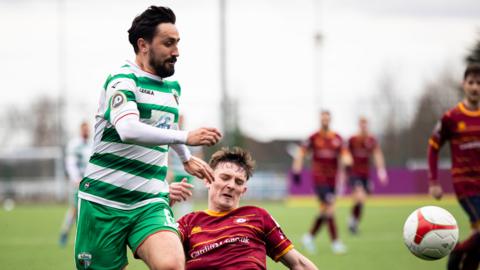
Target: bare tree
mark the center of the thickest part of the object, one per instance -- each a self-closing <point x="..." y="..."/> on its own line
<point x="39" y="121"/>
<point x="474" y="55"/>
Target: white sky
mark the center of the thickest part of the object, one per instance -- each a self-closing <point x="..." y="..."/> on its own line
<point x="274" y="71"/>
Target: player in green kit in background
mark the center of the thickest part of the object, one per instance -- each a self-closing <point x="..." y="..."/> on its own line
<point x="77" y="153"/>
<point x="124" y="198"/>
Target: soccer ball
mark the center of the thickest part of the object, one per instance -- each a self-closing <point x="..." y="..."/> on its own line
<point x="430" y="232"/>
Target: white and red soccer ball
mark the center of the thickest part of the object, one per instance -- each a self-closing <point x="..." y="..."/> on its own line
<point x="430" y="232"/>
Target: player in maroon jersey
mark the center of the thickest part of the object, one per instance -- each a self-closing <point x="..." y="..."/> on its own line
<point x="461" y="127"/>
<point x="226" y="236"/>
<point x="363" y="146"/>
<point x="328" y="152"/>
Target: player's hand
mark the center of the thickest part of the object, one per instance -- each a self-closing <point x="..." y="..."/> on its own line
<point x="436" y="191"/>
<point x="180" y="191"/>
<point x="382" y="176"/>
<point x="297" y="178"/>
<point x="203" y="136"/>
<point x="199" y="168"/>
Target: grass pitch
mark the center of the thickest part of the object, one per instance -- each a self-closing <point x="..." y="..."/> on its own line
<point x="29" y="235"/>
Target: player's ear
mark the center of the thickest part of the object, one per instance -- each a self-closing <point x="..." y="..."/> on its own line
<point x="142" y="45"/>
<point x="244" y="190"/>
<point x="206" y="183"/>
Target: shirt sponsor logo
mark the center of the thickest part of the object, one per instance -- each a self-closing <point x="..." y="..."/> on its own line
<point x="146" y="91"/>
<point x="231" y="240"/>
<point x="470" y="145"/>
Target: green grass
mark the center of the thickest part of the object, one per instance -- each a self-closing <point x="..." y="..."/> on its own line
<point x="29" y="236"/>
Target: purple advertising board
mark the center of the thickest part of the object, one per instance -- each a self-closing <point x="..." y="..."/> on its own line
<point x="401" y="182"/>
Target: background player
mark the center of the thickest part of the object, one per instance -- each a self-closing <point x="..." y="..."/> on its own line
<point x="76" y="158"/>
<point x="461" y="127"/>
<point x="362" y="146"/>
<point x="226" y="236"/>
<point x="124" y="198"/>
<point x="328" y="153"/>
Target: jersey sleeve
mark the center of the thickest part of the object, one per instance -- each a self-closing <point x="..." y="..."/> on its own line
<point x="121" y="99"/>
<point x="277" y="244"/>
<point x="308" y="143"/>
<point x="183" y="228"/>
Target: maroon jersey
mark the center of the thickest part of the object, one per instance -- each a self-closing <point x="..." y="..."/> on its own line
<point x="326" y="149"/>
<point x="461" y="128"/>
<point x="239" y="239"/>
<point x="361" y="147"/>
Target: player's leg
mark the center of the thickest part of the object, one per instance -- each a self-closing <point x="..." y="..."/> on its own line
<point x="319" y="220"/>
<point x="162" y="250"/>
<point x="154" y="238"/>
<point x="101" y="237"/>
<point x="337" y="246"/>
<point x="359" y="195"/>
<point x="461" y="254"/>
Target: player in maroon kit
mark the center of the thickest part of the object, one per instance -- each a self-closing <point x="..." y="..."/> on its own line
<point x="461" y="127"/>
<point x="328" y="152"/>
<point x="226" y="236"/>
<point x="362" y="146"/>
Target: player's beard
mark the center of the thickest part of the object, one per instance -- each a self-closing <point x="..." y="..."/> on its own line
<point x="162" y="68"/>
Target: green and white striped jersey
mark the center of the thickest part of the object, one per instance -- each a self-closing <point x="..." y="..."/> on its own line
<point x="122" y="175"/>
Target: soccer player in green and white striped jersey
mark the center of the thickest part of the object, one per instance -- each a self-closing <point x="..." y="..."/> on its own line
<point x="124" y="198"/>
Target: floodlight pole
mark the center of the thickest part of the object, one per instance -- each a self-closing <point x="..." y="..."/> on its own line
<point x="62" y="90"/>
<point x="225" y="107"/>
<point x="317" y="51"/>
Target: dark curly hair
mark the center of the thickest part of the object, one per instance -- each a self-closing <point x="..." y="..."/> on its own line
<point x="145" y="24"/>
<point x="235" y="155"/>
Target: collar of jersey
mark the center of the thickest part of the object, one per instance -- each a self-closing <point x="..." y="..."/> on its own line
<point x="216" y="214"/>
<point x="466" y="111"/>
<point x="144" y="73"/>
<point x="327" y="134"/>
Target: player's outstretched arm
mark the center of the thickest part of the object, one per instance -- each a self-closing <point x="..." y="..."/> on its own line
<point x="434" y="189"/>
<point x="131" y="130"/>
<point x="379" y="160"/>
<point x="296" y="261"/>
<point x="297" y="164"/>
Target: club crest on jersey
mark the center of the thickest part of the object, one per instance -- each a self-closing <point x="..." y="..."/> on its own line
<point x="461" y="126"/>
<point x="118" y="100"/>
<point x="85" y="259"/>
<point x="175" y="95"/>
<point x="196" y="229"/>
<point x="240" y="220"/>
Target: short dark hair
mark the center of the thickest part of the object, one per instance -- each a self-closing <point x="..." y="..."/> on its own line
<point x="324" y="112"/>
<point x="235" y="155"/>
<point x="145" y="24"/>
<point x="472" y="69"/>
